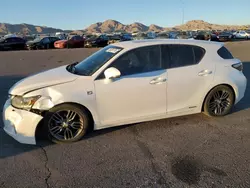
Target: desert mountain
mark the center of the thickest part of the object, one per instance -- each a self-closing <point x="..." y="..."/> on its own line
<point x="114" y="26"/>
<point x="109" y="26"/>
<point x="6" y="28"/>
<point x="202" y="25"/>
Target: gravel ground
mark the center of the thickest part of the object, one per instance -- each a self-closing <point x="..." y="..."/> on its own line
<point x="189" y="151"/>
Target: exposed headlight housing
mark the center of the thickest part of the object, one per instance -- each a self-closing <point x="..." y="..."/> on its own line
<point x="25" y="103"/>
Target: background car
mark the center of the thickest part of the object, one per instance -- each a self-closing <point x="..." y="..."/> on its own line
<point x="41" y="43"/>
<point x="75" y="41"/>
<point x="163" y="35"/>
<point x="183" y="35"/>
<point x="119" y="38"/>
<point x="225" y="36"/>
<point x="126" y="37"/>
<point x="203" y="35"/>
<point x="97" y="41"/>
<point x="12" y="43"/>
<point x="114" y="39"/>
<point x="241" y="35"/>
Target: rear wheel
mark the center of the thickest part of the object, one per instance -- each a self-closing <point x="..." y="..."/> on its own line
<point x="66" y="123"/>
<point x="219" y="101"/>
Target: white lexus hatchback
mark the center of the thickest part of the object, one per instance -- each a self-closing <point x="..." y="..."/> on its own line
<point x="125" y="83"/>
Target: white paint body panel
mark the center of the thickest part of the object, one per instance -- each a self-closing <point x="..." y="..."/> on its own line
<point x="128" y="99"/>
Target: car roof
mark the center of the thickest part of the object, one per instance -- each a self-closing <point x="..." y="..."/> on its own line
<point x="148" y="42"/>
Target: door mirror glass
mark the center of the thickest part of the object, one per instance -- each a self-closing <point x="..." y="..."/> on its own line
<point x="111" y="73"/>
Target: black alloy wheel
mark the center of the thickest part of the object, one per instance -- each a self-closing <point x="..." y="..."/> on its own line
<point x="219" y="101"/>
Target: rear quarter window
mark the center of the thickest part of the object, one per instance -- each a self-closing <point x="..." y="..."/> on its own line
<point x="224" y="53"/>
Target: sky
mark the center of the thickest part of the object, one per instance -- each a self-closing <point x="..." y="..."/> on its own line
<point x="79" y="14"/>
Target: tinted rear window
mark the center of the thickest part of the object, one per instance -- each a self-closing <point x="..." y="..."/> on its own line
<point x="199" y="53"/>
<point x="174" y="56"/>
<point x="224" y="53"/>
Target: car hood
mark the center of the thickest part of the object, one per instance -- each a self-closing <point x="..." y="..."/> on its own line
<point x="43" y="79"/>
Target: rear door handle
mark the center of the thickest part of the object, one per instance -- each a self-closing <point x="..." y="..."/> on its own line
<point x="158" y="80"/>
<point x="205" y="73"/>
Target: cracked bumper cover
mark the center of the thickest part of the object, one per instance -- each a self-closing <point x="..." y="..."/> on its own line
<point x="20" y="124"/>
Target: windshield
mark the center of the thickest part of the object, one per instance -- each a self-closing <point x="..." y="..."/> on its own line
<point x="91" y="64"/>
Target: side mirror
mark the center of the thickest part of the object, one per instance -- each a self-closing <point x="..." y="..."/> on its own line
<point x="111" y="73"/>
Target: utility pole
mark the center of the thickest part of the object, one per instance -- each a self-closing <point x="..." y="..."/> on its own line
<point x="182" y="3"/>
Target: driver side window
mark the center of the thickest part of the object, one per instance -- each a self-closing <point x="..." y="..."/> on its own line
<point x="140" y="60"/>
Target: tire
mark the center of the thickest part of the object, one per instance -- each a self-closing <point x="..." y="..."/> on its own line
<point x="59" y="132"/>
<point x="219" y="101"/>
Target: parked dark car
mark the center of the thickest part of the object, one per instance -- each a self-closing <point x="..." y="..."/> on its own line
<point x="225" y="36"/>
<point x="114" y="39"/>
<point x="42" y="43"/>
<point x="126" y="37"/>
<point x="183" y="35"/>
<point x="97" y="41"/>
<point x="12" y="43"/>
<point x="163" y="35"/>
<point x="202" y="35"/>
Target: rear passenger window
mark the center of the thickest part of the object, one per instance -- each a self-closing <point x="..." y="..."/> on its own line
<point x="174" y="56"/>
<point x="181" y="55"/>
<point x="224" y="53"/>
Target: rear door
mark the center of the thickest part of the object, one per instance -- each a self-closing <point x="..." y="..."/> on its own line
<point x="189" y="76"/>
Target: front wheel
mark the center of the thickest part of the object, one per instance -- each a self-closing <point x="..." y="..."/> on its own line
<point x="66" y="123"/>
<point x="219" y="101"/>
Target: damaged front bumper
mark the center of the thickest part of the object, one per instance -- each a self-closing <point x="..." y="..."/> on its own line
<point x="20" y="124"/>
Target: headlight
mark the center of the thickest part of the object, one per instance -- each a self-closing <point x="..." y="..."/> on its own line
<point x="24" y="102"/>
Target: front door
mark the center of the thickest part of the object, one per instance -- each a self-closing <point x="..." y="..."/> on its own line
<point x="189" y="77"/>
<point x="139" y="93"/>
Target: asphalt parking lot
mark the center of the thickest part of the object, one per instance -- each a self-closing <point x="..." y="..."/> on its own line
<point x="189" y="151"/>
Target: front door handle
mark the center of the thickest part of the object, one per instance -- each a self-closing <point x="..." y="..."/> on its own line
<point x="158" y="81"/>
<point x="205" y="73"/>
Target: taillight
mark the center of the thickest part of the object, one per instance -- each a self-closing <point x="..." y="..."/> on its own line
<point x="238" y="66"/>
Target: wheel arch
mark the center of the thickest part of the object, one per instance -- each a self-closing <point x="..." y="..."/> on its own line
<point x="224" y="84"/>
